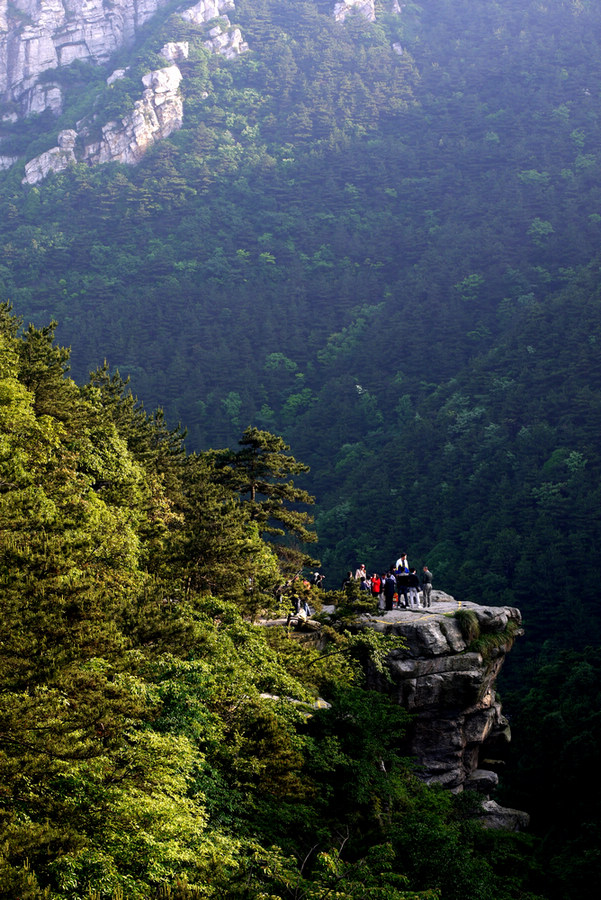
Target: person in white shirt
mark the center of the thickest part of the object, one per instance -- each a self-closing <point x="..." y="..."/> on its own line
<point x="402" y="563"/>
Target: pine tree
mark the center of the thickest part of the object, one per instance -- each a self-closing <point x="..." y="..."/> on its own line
<point x="258" y="473"/>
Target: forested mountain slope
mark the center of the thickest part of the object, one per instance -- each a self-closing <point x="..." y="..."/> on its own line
<point x="380" y="240"/>
<point x="154" y="742"/>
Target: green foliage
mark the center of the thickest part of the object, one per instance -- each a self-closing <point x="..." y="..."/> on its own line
<point x="257" y="473"/>
<point x="469" y="624"/>
<point x="556" y="732"/>
<point x="487" y="644"/>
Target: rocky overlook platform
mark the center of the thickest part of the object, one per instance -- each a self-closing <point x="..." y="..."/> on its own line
<point x="445" y="675"/>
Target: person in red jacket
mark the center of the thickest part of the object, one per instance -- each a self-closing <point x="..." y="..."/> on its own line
<point x="376" y="585"/>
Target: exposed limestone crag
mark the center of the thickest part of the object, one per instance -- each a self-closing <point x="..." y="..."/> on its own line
<point x="446" y="678"/>
<point x="448" y="683"/>
<point x="39" y="35"/>
<point x="364" y="8"/>
<point x="223" y="38"/>
<point x="155" y="116"/>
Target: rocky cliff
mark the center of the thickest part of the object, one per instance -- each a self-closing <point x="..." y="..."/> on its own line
<point x="37" y="36"/>
<point x="156" y="115"/>
<point x="364" y="8"/>
<point x="446" y="678"/>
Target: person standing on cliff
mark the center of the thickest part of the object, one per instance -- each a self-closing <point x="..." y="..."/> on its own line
<point x="426" y="586"/>
<point x="361" y="572"/>
<point x="402" y="586"/>
<point x="413" y="585"/>
<point x="389" y="590"/>
<point x="402" y="563"/>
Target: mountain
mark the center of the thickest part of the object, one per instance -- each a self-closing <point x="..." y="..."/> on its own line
<point x="377" y="238"/>
<point x="373" y="230"/>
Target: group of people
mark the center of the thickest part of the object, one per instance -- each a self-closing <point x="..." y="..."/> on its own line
<point x="398" y="588"/>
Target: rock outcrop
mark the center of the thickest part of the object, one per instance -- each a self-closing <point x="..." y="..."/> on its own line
<point x="446" y="678"/>
<point x="39" y="35"/>
<point x="155" y="116"/>
<point x="364" y="8"/>
<point x="223" y="37"/>
<point x="54" y="160"/>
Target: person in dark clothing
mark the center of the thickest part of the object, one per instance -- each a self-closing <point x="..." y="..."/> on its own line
<point x="389" y="590"/>
<point x="402" y="586"/>
<point x="317" y="579"/>
<point x="426" y="586"/>
<point x="413" y="585"/>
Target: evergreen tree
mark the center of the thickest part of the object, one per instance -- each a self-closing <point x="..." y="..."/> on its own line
<point x="257" y="473"/>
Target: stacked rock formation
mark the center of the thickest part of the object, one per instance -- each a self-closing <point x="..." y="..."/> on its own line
<point x="446" y="678"/>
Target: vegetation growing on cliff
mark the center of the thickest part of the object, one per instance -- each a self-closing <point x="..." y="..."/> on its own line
<point x="145" y="751"/>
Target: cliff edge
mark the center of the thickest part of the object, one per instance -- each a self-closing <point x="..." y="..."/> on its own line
<point x="446" y="678"/>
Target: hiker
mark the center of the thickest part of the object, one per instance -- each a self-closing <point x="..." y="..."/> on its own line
<point x="402" y="563"/>
<point x="413" y="585"/>
<point x="376" y="586"/>
<point x="389" y="590"/>
<point x="426" y="586"/>
<point x="402" y="587"/>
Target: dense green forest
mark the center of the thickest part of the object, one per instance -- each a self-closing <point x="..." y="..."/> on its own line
<point x="149" y="748"/>
<point x="380" y="241"/>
